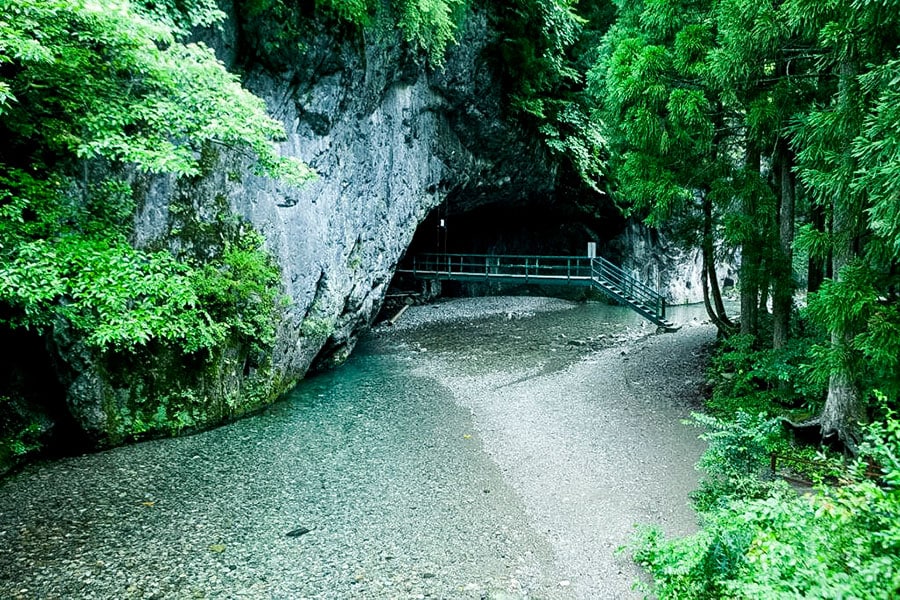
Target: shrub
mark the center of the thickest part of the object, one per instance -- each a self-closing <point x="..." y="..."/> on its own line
<point x="835" y="542"/>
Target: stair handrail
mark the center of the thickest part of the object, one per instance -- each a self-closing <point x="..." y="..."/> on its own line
<point x="601" y="271"/>
<point x="606" y="271"/>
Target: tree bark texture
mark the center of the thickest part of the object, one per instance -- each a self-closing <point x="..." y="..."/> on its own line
<point x="712" y="294"/>
<point x="783" y="288"/>
<point x="750" y="253"/>
<point x="843" y="406"/>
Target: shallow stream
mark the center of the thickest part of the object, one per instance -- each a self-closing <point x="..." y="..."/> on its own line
<point x="439" y="462"/>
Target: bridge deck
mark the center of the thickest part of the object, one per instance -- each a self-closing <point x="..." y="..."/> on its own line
<point x="575" y="280"/>
<point x="597" y="273"/>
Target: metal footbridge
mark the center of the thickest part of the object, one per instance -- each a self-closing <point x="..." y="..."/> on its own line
<point x="597" y="273"/>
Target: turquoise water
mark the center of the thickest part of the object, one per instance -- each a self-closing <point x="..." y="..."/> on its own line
<point x="382" y="467"/>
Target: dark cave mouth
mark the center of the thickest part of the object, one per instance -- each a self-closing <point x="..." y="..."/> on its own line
<point x="544" y="227"/>
<point x="548" y="227"/>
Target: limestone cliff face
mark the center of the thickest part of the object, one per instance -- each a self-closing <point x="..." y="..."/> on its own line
<point x="675" y="271"/>
<point x="390" y="139"/>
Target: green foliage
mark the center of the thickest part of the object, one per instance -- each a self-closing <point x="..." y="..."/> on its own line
<point x="727" y="101"/>
<point x="691" y="568"/>
<point x="859" y="302"/>
<point x="113" y="295"/>
<point x="836" y="542"/>
<point x="182" y="15"/>
<point x="20" y="436"/>
<point x="275" y="30"/>
<point x="242" y="291"/>
<point x="174" y="414"/>
<point x="99" y="80"/>
<point x="877" y="149"/>
<point x="763" y="380"/>
<point x="278" y="29"/>
<point x="659" y="111"/>
<point x="317" y="327"/>
<point x="90" y="92"/>
<point x="358" y="12"/>
<point x="542" y="62"/>
<point x="570" y="132"/>
<point x="737" y="456"/>
<point x="430" y="24"/>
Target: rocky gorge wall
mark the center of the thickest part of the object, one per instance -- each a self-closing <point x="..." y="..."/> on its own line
<point x="677" y="272"/>
<point x="390" y="139"/>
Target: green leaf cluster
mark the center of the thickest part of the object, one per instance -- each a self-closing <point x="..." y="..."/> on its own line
<point x="105" y="81"/>
<point x="20" y="435"/>
<point x="100" y="80"/>
<point x="92" y="95"/>
<point x="430" y="24"/>
<point x="278" y="29"/>
<point x="838" y="541"/>
<point x="862" y="306"/>
<point x="242" y="290"/>
<point x="541" y="60"/>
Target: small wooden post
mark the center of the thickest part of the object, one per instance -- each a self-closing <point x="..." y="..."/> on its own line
<point x="398" y="315"/>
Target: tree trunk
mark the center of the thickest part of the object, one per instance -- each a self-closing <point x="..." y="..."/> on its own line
<point x="843" y="407"/>
<point x="783" y="289"/>
<point x="716" y="290"/>
<point x="712" y="295"/>
<point x="750" y="255"/>
<point x="724" y="328"/>
<point x="762" y="308"/>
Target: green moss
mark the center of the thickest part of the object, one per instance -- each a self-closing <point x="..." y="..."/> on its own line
<point x="317" y="328"/>
<point x="21" y="436"/>
<point x="160" y="388"/>
<point x="209" y="159"/>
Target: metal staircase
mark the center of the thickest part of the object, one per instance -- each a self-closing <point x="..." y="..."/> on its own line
<point x="597" y="273"/>
<point x="619" y="285"/>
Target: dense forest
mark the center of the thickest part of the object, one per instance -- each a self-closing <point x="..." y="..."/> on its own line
<point x="766" y="131"/>
<point x="771" y="129"/>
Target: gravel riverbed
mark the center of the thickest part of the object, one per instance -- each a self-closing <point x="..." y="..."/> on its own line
<point x="494" y="448"/>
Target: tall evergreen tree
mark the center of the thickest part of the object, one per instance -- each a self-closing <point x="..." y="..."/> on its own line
<point x="665" y="123"/>
<point x="857" y="39"/>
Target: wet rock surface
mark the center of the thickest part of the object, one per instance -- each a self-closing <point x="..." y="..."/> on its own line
<point x="390" y="138"/>
<point x="454" y="457"/>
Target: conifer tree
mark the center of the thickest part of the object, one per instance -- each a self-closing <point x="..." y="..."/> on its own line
<point x="859" y="41"/>
<point x="665" y="123"/>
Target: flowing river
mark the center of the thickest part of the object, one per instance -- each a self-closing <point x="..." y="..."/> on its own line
<point x="493" y="448"/>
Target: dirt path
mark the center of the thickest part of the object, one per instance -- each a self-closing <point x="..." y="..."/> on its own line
<point x="594" y="448"/>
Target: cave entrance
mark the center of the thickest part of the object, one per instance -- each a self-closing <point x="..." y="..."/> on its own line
<point x="552" y="228"/>
<point x="561" y="225"/>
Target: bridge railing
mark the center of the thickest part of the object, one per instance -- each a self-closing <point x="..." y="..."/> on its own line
<point x="605" y="271"/>
<point x="525" y="266"/>
<point x="535" y="268"/>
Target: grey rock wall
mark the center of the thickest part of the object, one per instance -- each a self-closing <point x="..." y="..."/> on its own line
<point x="675" y="271"/>
<point x="390" y="139"/>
